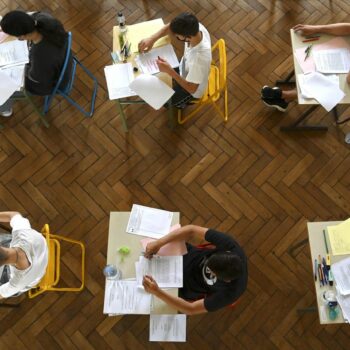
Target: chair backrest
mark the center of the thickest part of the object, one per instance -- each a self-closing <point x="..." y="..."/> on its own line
<point x="221" y="63"/>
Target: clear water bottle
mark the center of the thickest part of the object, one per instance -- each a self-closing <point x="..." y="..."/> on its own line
<point x="121" y="22"/>
<point x="112" y="272"/>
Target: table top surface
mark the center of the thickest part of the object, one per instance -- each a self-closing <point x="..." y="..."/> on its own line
<point x="297" y="42"/>
<point x="317" y="247"/>
<point x="117" y="238"/>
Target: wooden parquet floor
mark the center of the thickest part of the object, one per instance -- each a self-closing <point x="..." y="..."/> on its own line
<point x="245" y="178"/>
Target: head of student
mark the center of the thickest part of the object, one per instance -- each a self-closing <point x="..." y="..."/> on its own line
<point x="225" y="265"/>
<point x="26" y="26"/>
<point x="184" y="26"/>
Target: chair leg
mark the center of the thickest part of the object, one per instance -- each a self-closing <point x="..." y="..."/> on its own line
<point x="183" y="119"/>
<point x="122" y="116"/>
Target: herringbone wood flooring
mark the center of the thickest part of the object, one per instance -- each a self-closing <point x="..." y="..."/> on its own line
<point x="245" y="178"/>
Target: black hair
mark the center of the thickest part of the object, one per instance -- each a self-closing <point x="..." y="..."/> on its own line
<point x="3" y="256"/>
<point x="185" y="24"/>
<point x="19" y="23"/>
<point x="225" y="265"/>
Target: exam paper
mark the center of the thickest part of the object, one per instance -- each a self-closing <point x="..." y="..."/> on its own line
<point x="147" y="61"/>
<point x="152" y="90"/>
<point x="339" y="237"/>
<point x="14" y="52"/>
<point x="166" y="270"/>
<point x="303" y="80"/>
<point x="167" y="328"/>
<point x="7" y="87"/>
<point x="332" y="61"/>
<point x="16" y="73"/>
<point x="324" y="89"/>
<point x="341" y="275"/>
<point x="149" y="222"/>
<point x="119" y="77"/>
<point x="307" y="65"/>
<point x="124" y="297"/>
<point x="344" y="303"/>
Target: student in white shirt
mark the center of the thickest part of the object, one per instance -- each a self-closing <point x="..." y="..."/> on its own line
<point x="192" y="79"/>
<point x="27" y="255"/>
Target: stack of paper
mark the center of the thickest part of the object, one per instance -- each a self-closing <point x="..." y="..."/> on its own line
<point x="119" y="77"/>
<point x="167" y="328"/>
<point x="166" y="270"/>
<point x="147" y="61"/>
<point x="325" y="89"/>
<point x="13" y="57"/>
<point x="332" y="61"/>
<point x="149" y="222"/>
<point x="124" y="297"/>
<point x="339" y="237"/>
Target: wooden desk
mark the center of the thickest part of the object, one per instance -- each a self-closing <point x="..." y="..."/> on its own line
<point x="162" y="76"/>
<point x="297" y="42"/>
<point x="317" y="246"/>
<point x="118" y="237"/>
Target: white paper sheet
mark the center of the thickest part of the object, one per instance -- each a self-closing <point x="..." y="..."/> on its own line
<point x="7" y="87"/>
<point x="16" y="73"/>
<point x="332" y="61"/>
<point x="303" y="83"/>
<point x="341" y="275"/>
<point x="147" y="61"/>
<point x="124" y="297"/>
<point x="149" y="222"/>
<point x="152" y="90"/>
<point x="322" y="88"/>
<point x="14" y="52"/>
<point x="344" y="303"/>
<point x="119" y="77"/>
<point x="167" y="328"/>
<point x="166" y="270"/>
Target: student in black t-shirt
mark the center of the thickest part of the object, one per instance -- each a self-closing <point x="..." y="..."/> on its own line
<point x="213" y="278"/>
<point x="47" y="42"/>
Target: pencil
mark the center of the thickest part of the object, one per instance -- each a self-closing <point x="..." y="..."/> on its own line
<point x="307" y="40"/>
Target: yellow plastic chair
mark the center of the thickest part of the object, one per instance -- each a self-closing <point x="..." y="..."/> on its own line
<point x="217" y="86"/>
<point x="52" y="275"/>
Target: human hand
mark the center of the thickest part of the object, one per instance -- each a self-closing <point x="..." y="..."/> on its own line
<point x="150" y="284"/>
<point x="163" y="65"/>
<point x="306" y="29"/>
<point x="151" y="249"/>
<point x="145" y="45"/>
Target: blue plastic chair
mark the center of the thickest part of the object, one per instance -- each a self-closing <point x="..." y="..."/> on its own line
<point x="65" y="91"/>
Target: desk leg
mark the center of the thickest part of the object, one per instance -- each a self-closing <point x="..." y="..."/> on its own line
<point x="122" y="116"/>
<point x="296" y="246"/>
<point x="297" y="127"/>
<point x="336" y="117"/>
<point x="287" y="80"/>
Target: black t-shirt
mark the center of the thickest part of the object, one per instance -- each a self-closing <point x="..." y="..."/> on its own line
<point x="45" y="64"/>
<point x="220" y="293"/>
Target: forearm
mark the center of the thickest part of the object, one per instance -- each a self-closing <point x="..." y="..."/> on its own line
<point x="6" y="216"/>
<point x="162" y="32"/>
<point x="334" y="29"/>
<point x="180" y="304"/>
<point x="184" y="233"/>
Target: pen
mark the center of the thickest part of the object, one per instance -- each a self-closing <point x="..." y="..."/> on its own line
<point x="307" y="51"/>
<point x="328" y="258"/>
<point x="315" y="270"/>
<point x="307" y="40"/>
<point x="320" y="270"/>
<point x="325" y="270"/>
<point x="312" y="36"/>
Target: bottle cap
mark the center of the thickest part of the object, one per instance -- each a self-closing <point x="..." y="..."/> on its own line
<point x="135" y="69"/>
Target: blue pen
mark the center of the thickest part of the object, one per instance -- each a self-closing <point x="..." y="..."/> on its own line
<point x="325" y="271"/>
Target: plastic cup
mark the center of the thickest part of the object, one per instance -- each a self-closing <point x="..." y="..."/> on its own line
<point x="111" y="272"/>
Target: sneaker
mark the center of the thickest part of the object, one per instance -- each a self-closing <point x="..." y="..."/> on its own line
<point x="267" y="92"/>
<point x="7" y="114"/>
<point x="277" y="103"/>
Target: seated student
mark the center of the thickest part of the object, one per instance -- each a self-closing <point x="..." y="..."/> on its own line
<point x="47" y="41"/>
<point x="195" y="64"/>
<point x="278" y="98"/>
<point x="27" y="256"/>
<point x="212" y="278"/>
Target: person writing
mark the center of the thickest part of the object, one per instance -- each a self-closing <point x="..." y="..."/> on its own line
<point x="276" y="97"/>
<point x="191" y="80"/>
<point x="47" y="41"/>
<point x="212" y="278"/>
<point x="27" y="256"/>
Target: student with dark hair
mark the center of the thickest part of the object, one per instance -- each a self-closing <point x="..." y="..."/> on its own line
<point x="191" y="80"/>
<point x="47" y="41"/>
<point x="26" y="256"/>
<point x="213" y="278"/>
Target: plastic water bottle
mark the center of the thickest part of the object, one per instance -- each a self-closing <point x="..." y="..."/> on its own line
<point x="121" y="22"/>
<point x="112" y="272"/>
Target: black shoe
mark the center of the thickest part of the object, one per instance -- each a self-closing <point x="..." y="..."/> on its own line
<point x="273" y="93"/>
<point x="277" y="103"/>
